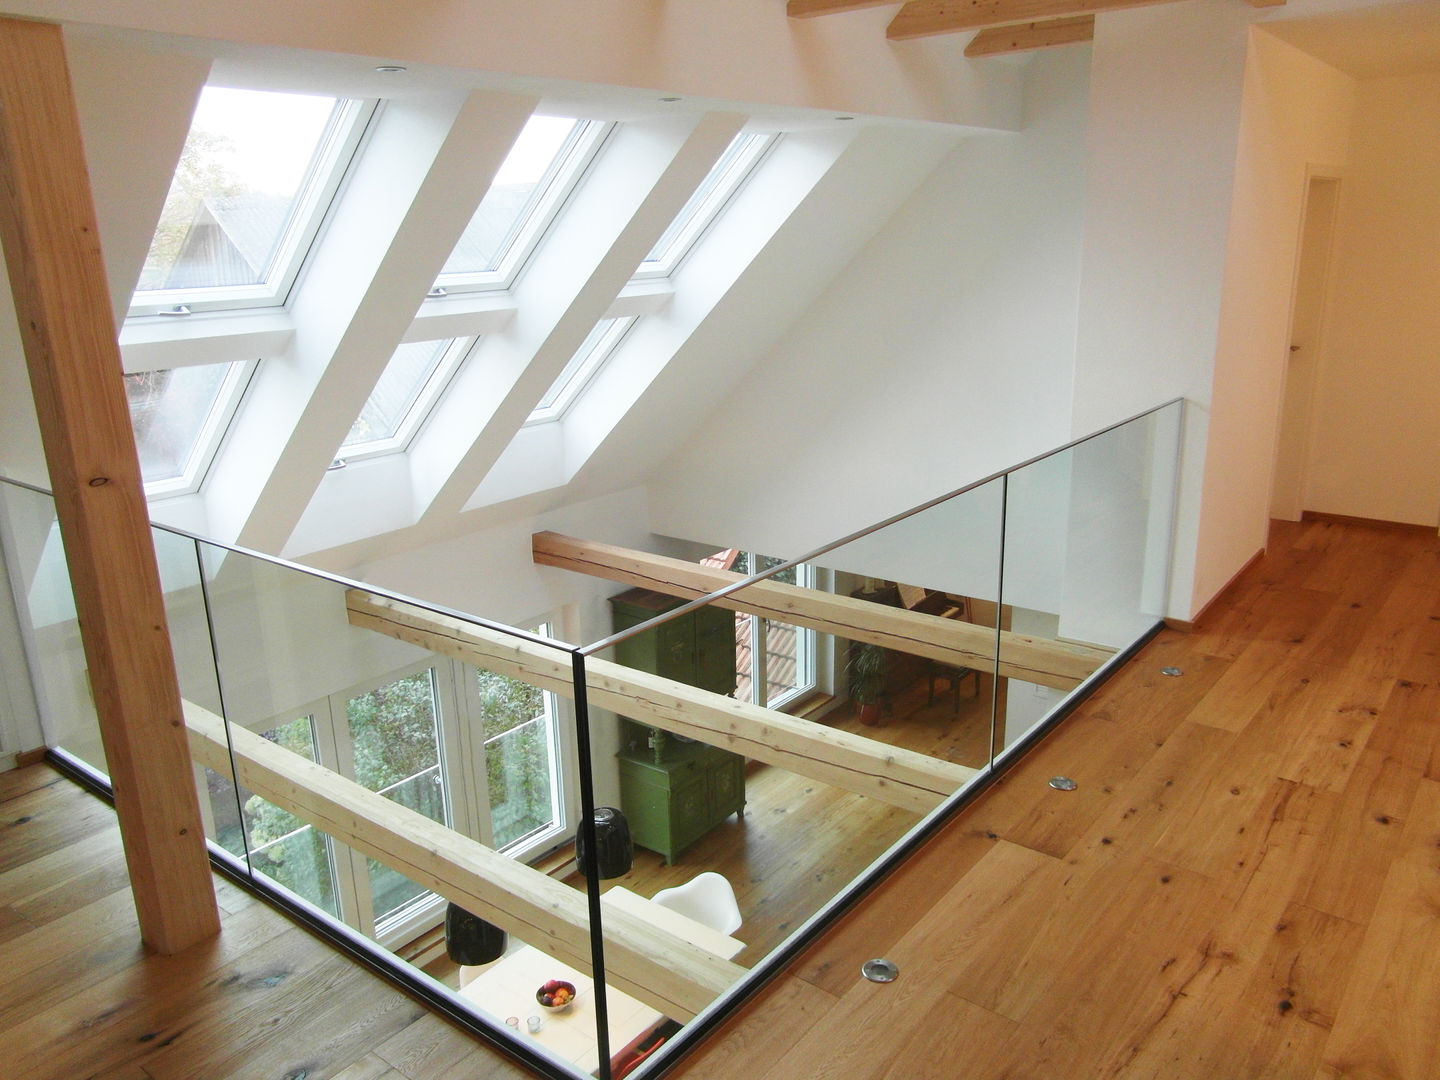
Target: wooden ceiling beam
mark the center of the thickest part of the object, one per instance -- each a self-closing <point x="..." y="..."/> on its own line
<point x="1057" y="664"/>
<point x="926" y="18"/>
<point x="1024" y="37"/>
<point x="899" y="777"/>
<point x="664" y="971"/>
<point x="808" y="9"/>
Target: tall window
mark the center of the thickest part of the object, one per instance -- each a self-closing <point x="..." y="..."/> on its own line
<point x="521" y="759"/>
<point x="387" y="737"/>
<point x="256" y="174"/>
<point x="471" y="749"/>
<point x="774" y="661"/>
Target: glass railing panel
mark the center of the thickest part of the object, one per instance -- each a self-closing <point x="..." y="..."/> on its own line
<point x="926" y="590"/>
<point x="940" y="569"/>
<point x="480" y="751"/>
<point x="1087" y="554"/>
<point x="45" y="606"/>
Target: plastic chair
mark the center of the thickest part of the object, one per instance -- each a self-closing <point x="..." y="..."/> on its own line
<point x="707" y="898"/>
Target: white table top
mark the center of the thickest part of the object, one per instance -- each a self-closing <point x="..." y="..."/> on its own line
<point x="507" y="988"/>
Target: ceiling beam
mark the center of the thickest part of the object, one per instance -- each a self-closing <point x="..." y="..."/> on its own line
<point x="808" y="9"/>
<point x="664" y="971"/>
<point x="1023" y="37"/>
<point x="1056" y="664"/>
<point x="926" y="18"/>
<point x="893" y="775"/>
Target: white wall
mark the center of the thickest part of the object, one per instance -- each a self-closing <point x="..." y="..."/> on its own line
<point x="1376" y="446"/>
<point x="940" y="353"/>
<point x="1295" y="116"/>
<point x="1197" y="170"/>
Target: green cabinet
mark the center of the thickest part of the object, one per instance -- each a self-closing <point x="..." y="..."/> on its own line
<point x="672" y="803"/>
<point x="674" y="790"/>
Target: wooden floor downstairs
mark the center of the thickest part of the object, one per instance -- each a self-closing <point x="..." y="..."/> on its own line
<point x="1245" y="883"/>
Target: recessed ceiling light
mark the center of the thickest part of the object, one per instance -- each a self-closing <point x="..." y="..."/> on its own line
<point x="844" y="118"/>
<point x="667" y="100"/>
<point x="389" y="69"/>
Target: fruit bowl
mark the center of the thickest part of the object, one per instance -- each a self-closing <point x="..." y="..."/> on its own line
<point x="556" y="995"/>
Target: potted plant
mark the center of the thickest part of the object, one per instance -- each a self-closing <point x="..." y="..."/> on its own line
<point x="865" y="674"/>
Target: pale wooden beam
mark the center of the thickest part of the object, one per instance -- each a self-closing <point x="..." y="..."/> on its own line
<point x="807" y="9"/>
<point x="667" y="973"/>
<point x="1056" y="664"/>
<point x="1024" y="37"/>
<point x="1265" y="3"/>
<point x="925" y="18"/>
<point x="899" y="777"/>
<point x="67" y="327"/>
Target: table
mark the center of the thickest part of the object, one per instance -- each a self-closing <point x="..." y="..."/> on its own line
<point x="507" y="988"/>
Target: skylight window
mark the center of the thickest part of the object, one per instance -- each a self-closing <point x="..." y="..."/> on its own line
<point x="705" y="204"/>
<point x="588" y="359"/>
<point x="255" y="177"/>
<point x="179" y="415"/>
<point x="411" y="382"/>
<point x="537" y="175"/>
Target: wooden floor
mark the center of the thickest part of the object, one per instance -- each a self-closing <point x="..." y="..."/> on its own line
<point x="1245" y="884"/>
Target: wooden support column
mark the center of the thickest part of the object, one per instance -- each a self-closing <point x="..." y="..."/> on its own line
<point x="62" y="300"/>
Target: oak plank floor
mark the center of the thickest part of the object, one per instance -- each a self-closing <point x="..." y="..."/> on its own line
<point x="1245" y="884"/>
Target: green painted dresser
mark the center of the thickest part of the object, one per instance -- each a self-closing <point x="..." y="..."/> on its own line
<point x="674" y="790"/>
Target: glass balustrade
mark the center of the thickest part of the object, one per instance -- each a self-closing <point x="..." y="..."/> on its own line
<point x="794" y="732"/>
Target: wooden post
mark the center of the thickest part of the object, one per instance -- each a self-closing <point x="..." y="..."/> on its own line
<point x="52" y="251"/>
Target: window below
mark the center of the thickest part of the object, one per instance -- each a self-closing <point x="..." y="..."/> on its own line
<point x="255" y="177"/>
<point x="471" y="749"/>
<point x="179" y="416"/>
<point x="774" y="661"/>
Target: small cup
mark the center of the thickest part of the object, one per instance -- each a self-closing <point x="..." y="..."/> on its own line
<point x="533" y="1023"/>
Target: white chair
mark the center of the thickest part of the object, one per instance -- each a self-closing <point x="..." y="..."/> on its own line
<point x="707" y="898"/>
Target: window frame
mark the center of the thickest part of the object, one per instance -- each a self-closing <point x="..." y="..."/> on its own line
<point x="338" y="151"/>
<point x="581" y="374"/>
<point x="556" y="186"/>
<point x="708" y="202"/>
<point x="212" y="430"/>
<point x="451" y="360"/>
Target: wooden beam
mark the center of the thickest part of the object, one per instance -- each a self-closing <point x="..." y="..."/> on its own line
<point x="1024" y="37"/>
<point x="808" y="9"/>
<point x="899" y="777"/>
<point x="664" y="971"/>
<point x="62" y="300"/>
<point x="1038" y="660"/>
<point x="925" y="18"/>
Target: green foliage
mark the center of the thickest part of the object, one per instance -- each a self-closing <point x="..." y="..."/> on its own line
<point x="202" y="172"/>
<point x="865" y="672"/>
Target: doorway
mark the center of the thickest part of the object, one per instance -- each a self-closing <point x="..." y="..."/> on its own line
<point x="1293" y="439"/>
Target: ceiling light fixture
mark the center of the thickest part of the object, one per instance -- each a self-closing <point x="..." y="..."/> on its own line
<point x="390" y="69"/>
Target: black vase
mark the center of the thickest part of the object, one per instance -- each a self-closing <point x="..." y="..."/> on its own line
<point x="614" y="851"/>
<point x="469" y="939"/>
